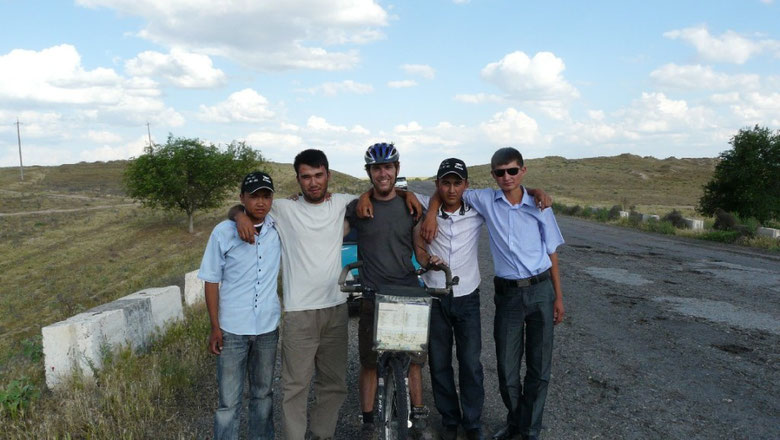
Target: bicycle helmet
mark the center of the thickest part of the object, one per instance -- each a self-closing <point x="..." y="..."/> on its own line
<point x="381" y="153"/>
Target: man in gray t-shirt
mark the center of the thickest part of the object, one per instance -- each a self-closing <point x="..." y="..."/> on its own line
<point x="385" y="246"/>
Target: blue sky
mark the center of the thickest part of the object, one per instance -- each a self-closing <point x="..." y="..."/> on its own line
<point x="440" y="78"/>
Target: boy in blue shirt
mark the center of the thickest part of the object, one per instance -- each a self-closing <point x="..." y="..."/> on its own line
<point x="528" y="296"/>
<point x="244" y="311"/>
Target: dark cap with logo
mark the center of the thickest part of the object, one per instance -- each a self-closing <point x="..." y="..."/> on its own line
<point x="453" y="166"/>
<point x="257" y="180"/>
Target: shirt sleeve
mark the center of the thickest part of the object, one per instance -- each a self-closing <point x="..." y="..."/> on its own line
<point x="476" y="198"/>
<point x="551" y="234"/>
<point x="213" y="259"/>
<point x="424" y="200"/>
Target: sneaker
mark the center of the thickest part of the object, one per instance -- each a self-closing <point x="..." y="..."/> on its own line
<point x="368" y="431"/>
<point x="420" y="429"/>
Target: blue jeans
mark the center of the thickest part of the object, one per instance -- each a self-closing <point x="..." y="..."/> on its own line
<point x="458" y="317"/>
<point x="242" y="354"/>
<point x="524" y="325"/>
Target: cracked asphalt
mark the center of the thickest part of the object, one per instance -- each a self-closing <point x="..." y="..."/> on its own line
<point x="664" y="338"/>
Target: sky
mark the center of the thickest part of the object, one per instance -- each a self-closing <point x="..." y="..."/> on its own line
<point x="439" y="78"/>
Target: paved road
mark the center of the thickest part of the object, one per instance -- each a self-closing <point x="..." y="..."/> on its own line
<point x="664" y="337"/>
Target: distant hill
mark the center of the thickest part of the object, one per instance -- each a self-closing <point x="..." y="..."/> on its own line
<point x="606" y="181"/>
<point x="624" y="179"/>
<point x="102" y="179"/>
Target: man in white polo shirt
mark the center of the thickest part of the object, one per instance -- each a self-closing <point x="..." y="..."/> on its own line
<point x="457" y="314"/>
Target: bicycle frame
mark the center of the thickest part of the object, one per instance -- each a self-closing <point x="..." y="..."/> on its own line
<point x="393" y="354"/>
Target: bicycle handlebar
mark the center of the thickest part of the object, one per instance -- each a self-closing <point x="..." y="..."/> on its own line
<point x="449" y="280"/>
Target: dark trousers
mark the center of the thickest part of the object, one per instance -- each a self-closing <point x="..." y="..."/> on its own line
<point x="524" y="324"/>
<point x="458" y="317"/>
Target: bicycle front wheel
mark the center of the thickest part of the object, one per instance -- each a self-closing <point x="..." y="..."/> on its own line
<point x="395" y="417"/>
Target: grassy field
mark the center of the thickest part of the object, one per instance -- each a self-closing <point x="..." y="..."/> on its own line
<point x="57" y="264"/>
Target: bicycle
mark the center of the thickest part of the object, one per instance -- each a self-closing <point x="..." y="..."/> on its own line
<point x="401" y="319"/>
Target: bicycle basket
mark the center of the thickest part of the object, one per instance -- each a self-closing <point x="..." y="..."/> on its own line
<point x="401" y="318"/>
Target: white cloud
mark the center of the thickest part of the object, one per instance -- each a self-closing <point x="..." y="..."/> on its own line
<point x="347" y="86"/>
<point x="401" y="84"/>
<point x="105" y="153"/>
<point x="274" y="141"/>
<point x="179" y="67"/>
<point x="243" y="106"/>
<point x="318" y="123"/>
<point x="422" y="70"/>
<point x="103" y="137"/>
<point x="263" y="35"/>
<point x="478" y="98"/>
<point x="511" y="127"/>
<point x="408" y="128"/>
<point x="701" y="77"/>
<point x="537" y="79"/>
<point x="756" y="108"/>
<point x="34" y="124"/>
<point x="730" y="47"/>
<point x="55" y="76"/>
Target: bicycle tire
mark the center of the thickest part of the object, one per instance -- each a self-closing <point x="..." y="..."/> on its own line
<point x="395" y="417"/>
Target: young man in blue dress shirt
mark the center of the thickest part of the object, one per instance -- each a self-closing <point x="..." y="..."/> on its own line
<point x="244" y="312"/>
<point x="528" y="296"/>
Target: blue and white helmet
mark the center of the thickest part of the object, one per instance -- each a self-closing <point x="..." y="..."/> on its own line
<point x="381" y="153"/>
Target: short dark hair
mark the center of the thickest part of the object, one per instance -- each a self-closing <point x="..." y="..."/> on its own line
<point x="311" y="157"/>
<point x="503" y="156"/>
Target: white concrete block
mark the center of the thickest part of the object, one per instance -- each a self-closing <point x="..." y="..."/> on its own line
<point x="624" y="214"/>
<point x="79" y="342"/>
<point x="696" y="225"/>
<point x="164" y="302"/>
<point x="194" y="289"/>
<point x="647" y="217"/>
<point x="768" y="232"/>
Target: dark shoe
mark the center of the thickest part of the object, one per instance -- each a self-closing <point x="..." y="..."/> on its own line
<point x="449" y="433"/>
<point x="475" y="434"/>
<point x="508" y="432"/>
<point x="420" y="429"/>
<point x="368" y="431"/>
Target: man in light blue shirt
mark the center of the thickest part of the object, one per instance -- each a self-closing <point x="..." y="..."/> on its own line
<point x="528" y="296"/>
<point x="244" y="311"/>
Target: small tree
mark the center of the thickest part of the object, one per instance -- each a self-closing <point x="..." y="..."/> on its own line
<point x="188" y="175"/>
<point x="747" y="178"/>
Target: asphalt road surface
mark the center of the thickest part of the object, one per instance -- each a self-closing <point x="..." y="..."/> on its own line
<point x="664" y="338"/>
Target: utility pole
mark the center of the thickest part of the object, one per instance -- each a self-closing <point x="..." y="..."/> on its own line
<point x="19" y="138"/>
<point x="149" y="132"/>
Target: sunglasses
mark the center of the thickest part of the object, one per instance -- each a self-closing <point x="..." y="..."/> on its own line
<point x="511" y="171"/>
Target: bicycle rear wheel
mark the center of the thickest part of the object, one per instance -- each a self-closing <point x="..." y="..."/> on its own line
<point x="395" y="417"/>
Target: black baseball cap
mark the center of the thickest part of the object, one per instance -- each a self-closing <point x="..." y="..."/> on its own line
<point x="257" y="180"/>
<point x="453" y="166"/>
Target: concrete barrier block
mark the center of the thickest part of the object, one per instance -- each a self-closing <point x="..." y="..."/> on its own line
<point x="79" y="342"/>
<point x="164" y="304"/>
<point x="194" y="289"/>
<point x="624" y="214"/>
<point x="648" y="217"/>
<point x="696" y="225"/>
<point x="768" y="232"/>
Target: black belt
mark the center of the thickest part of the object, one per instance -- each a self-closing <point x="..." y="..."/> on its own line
<point x="525" y="282"/>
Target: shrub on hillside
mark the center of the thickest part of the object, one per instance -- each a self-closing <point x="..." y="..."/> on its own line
<point x="614" y="212"/>
<point x="660" y="227"/>
<point x="724" y="221"/>
<point x="676" y="219"/>
<point x="634" y="218"/>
